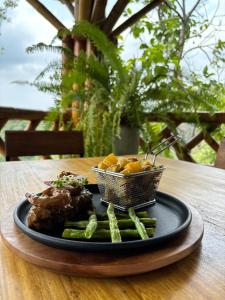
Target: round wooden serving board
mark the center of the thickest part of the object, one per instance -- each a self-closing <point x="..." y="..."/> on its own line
<point x="103" y="264"/>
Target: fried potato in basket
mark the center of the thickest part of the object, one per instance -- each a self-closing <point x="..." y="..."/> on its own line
<point x="124" y="165"/>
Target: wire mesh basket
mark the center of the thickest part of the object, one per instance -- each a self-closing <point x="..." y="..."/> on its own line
<point x="134" y="190"/>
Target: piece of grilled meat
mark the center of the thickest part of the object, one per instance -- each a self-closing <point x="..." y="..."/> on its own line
<point x="51" y="198"/>
<point x="40" y="218"/>
<point x="55" y="205"/>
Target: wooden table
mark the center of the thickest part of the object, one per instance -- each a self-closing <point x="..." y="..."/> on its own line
<point x="199" y="276"/>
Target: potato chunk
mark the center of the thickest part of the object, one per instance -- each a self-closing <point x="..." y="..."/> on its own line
<point x="110" y="160"/>
<point x="134" y="167"/>
<point x="102" y="166"/>
<point x="123" y="162"/>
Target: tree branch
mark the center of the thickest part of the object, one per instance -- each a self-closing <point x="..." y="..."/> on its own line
<point x="200" y="47"/>
<point x="114" y="15"/>
<point x="46" y="14"/>
<point x="184" y="8"/>
<point x="193" y="8"/>
<point x="133" y="19"/>
<point x="179" y="4"/>
<point x="182" y="30"/>
<point x="173" y="8"/>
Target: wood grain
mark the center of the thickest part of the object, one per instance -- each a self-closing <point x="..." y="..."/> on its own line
<point x="105" y="264"/>
<point x="30" y="143"/>
<point x="220" y="157"/>
<point x="199" y="276"/>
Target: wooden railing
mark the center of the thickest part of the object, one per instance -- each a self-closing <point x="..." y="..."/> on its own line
<point x="207" y="121"/>
<point x="34" y="117"/>
<point x="172" y="121"/>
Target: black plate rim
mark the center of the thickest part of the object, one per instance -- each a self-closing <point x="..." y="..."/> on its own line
<point x="100" y="246"/>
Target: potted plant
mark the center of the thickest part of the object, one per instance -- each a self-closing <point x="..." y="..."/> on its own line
<point x="112" y="107"/>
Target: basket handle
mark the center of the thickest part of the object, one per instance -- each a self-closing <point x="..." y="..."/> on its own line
<point x="161" y="147"/>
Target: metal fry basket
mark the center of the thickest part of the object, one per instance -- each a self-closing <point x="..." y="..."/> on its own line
<point x="132" y="190"/>
<point x="135" y="190"/>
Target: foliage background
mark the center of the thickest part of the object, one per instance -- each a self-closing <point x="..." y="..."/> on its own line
<point x="160" y="57"/>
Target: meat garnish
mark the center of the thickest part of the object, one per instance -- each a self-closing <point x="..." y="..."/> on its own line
<point x="65" y="173"/>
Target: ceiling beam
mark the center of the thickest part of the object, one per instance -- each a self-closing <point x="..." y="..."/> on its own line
<point x="98" y="11"/>
<point x="76" y="10"/>
<point x="46" y="14"/>
<point x="69" y="5"/>
<point x="134" y="18"/>
<point x="85" y="9"/>
<point x="114" y="15"/>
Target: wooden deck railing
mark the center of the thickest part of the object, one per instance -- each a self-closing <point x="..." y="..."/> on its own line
<point x="207" y="121"/>
<point x="172" y="121"/>
<point x="34" y="117"/>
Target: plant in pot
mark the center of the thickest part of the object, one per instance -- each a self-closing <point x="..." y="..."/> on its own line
<point x="111" y="107"/>
<point x="114" y="97"/>
<point x="131" y="116"/>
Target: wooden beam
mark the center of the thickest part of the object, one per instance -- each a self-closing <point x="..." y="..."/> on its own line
<point x="21" y="114"/>
<point x="67" y="43"/>
<point x="188" y="117"/>
<point x="133" y="19"/>
<point x="55" y="126"/>
<point x="181" y="150"/>
<point x="76" y="9"/>
<point x="220" y="161"/>
<point x="85" y="9"/>
<point x="32" y="125"/>
<point x="2" y="123"/>
<point x="114" y="15"/>
<point x="195" y="140"/>
<point x="211" y="142"/>
<point x="98" y="11"/>
<point x="2" y="146"/>
<point x="69" y="5"/>
<point x="46" y="14"/>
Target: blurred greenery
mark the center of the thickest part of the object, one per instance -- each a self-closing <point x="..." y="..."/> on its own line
<point x="203" y="154"/>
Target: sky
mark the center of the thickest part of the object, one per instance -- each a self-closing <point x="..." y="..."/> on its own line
<point x="28" y="27"/>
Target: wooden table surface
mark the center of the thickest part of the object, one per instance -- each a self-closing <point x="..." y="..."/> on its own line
<point x="199" y="276"/>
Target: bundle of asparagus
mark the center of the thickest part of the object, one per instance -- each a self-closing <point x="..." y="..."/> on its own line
<point x="112" y="225"/>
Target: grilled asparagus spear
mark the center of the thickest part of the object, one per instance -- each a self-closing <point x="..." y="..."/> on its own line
<point x="122" y="223"/>
<point x="140" y="214"/>
<point x="91" y="226"/>
<point x="113" y="225"/>
<point x="138" y="224"/>
<point x="104" y="234"/>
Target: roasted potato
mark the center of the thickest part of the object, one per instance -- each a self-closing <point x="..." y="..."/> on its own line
<point x="134" y="166"/>
<point x="110" y="160"/>
<point x="124" y="165"/>
<point x="123" y="161"/>
<point x="102" y="166"/>
<point x="115" y="168"/>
